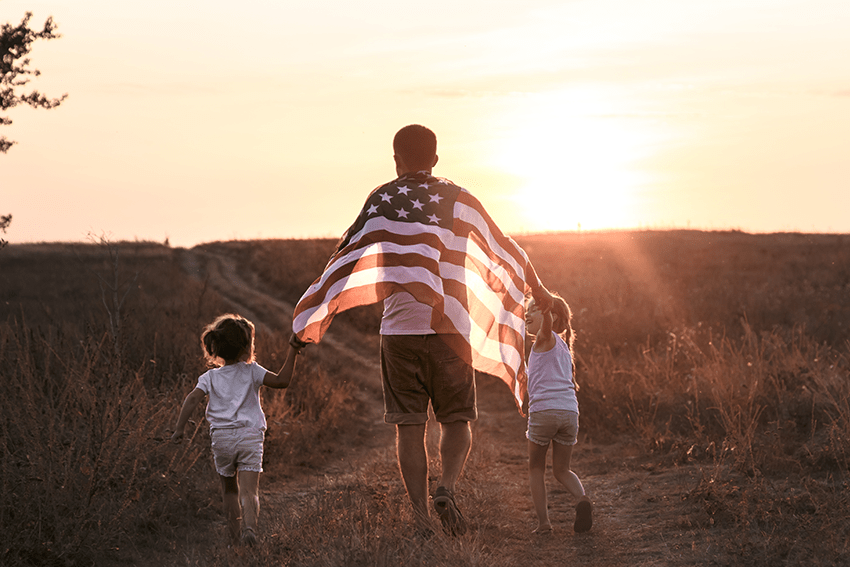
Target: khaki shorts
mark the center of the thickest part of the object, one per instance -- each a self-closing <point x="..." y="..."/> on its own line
<point x="560" y="426"/>
<point x="240" y="448"/>
<point x="418" y="369"/>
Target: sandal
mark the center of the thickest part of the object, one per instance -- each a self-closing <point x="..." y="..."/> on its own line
<point x="453" y="521"/>
<point x="584" y="516"/>
<point x="249" y="538"/>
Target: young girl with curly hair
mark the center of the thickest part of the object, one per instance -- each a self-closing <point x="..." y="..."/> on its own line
<point x="237" y="422"/>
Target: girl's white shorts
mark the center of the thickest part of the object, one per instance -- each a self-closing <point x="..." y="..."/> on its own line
<point x="240" y="448"/>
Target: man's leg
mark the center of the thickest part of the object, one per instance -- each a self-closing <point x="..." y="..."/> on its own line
<point x="455" y="443"/>
<point x="413" y="463"/>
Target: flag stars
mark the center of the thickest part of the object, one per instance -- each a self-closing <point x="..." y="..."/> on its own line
<point x="386" y="197"/>
<point x="417" y="205"/>
<point x="404" y="190"/>
<point x="434" y="219"/>
<point x="372" y="210"/>
<point x="402" y="214"/>
<point x="436" y="198"/>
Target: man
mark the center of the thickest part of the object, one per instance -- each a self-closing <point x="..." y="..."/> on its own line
<point x="452" y="286"/>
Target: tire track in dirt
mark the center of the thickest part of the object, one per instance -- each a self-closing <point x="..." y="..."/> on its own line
<point x="267" y="312"/>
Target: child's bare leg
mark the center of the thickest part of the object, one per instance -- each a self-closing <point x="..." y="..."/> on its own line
<point x="537" y="482"/>
<point x="561" y="455"/>
<point x="249" y="497"/>
<point x="232" y="509"/>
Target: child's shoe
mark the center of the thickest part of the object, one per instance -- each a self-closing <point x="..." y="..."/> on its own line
<point x="584" y="516"/>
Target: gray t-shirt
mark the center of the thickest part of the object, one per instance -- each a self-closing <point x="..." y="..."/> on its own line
<point x="403" y="315"/>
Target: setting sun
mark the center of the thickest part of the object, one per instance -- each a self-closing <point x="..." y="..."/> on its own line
<point x="576" y="158"/>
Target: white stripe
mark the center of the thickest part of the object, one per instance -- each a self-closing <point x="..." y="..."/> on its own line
<point x="490" y="348"/>
<point x="455" y="243"/>
<point x="483" y="346"/>
<point x="477" y="287"/>
<point x="372" y="250"/>
<point x="364" y="278"/>
<point x="473" y="216"/>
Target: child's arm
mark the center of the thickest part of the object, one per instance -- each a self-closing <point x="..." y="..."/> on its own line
<point x="545" y="339"/>
<point x="542" y="297"/>
<point x="195" y="397"/>
<point x="284" y="375"/>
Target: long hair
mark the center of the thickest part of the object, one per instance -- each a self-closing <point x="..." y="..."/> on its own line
<point x="562" y="324"/>
<point x="562" y="320"/>
<point x="228" y="338"/>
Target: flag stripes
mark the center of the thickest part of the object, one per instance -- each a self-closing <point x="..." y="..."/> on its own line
<point x="450" y="256"/>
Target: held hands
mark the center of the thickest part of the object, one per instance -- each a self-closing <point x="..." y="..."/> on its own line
<point x="297" y="343"/>
<point x="547" y="304"/>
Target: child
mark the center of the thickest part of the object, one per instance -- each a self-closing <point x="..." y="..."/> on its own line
<point x="553" y="410"/>
<point x="237" y="423"/>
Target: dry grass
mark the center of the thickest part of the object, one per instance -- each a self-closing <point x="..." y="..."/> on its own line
<point x="87" y="469"/>
<point x="723" y="350"/>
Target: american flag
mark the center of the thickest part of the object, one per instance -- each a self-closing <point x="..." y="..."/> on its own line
<point x="427" y="236"/>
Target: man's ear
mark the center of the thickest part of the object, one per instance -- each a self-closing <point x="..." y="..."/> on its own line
<point x="400" y="168"/>
<point x="436" y="159"/>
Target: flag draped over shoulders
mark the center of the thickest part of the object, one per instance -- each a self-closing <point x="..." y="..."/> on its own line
<point x="427" y="236"/>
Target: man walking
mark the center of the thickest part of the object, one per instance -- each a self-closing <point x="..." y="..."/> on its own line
<point x="452" y="286"/>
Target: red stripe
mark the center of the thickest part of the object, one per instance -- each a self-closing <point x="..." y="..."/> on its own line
<point x="505" y="242"/>
<point x="482" y="316"/>
<point x="390" y="259"/>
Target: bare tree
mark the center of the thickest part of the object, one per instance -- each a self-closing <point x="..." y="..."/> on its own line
<point x="15" y="72"/>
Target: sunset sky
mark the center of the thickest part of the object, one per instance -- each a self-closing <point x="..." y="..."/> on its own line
<point x="202" y="121"/>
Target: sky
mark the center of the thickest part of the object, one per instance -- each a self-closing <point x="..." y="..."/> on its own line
<point x="203" y="121"/>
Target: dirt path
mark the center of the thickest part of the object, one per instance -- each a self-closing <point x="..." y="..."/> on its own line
<point x="269" y="313"/>
<point x="642" y="515"/>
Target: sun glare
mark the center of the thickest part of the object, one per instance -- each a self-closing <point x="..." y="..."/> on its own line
<point x="575" y="161"/>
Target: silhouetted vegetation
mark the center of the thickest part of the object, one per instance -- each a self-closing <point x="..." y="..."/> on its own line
<point x="725" y="350"/>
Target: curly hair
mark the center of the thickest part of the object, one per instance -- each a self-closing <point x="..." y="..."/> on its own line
<point x="228" y="338"/>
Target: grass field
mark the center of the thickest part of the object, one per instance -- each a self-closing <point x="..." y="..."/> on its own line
<point x="722" y="354"/>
